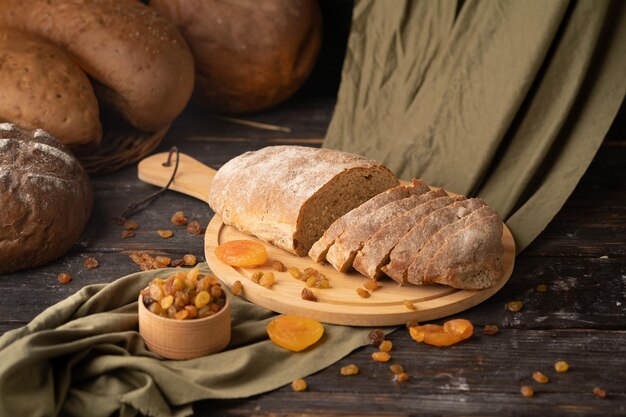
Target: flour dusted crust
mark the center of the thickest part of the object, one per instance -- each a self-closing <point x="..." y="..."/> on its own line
<point x="45" y="198"/>
<point x="320" y="248"/>
<point x="272" y="193"/>
<point x="41" y="87"/>
<point x="143" y="66"/>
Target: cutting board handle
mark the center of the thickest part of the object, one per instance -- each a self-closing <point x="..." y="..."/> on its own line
<point x="192" y="178"/>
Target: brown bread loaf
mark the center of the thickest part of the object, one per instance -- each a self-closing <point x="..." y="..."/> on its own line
<point x="289" y="195"/>
<point x="250" y="55"/>
<point x="41" y="87"/>
<point x="375" y="251"/>
<point x="320" y="248"/>
<point x="140" y="63"/>
<point x="45" y="198"/>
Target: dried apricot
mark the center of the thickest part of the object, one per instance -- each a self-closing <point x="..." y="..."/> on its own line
<point x="450" y="333"/>
<point x="460" y="327"/>
<point x="242" y="253"/>
<point x="294" y="333"/>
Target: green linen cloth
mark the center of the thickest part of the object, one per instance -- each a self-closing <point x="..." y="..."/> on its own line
<point x="84" y="357"/>
<point x="506" y="100"/>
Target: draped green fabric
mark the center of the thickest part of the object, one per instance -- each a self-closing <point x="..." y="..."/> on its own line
<point x="506" y="100"/>
<point x="84" y="357"/>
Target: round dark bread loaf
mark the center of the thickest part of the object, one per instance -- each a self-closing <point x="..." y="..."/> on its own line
<point x="250" y="54"/>
<point x="141" y="64"/>
<point x="45" y="196"/>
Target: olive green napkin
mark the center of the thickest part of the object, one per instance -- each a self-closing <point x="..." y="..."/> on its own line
<point x="505" y="100"/>
<point x="84" y="357"/>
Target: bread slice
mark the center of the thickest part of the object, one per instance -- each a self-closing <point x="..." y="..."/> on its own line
<point x="470" y="259"/>
<point x="412" y="242"/>
<point x="320" y="248"/>
<point x="415" y="273"/>
<point x="289" y="195"/>
<point x="342" y="253"/>
<point x="375" y="251"/>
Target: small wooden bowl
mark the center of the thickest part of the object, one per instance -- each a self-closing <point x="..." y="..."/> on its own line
<point x="185" y="339"/>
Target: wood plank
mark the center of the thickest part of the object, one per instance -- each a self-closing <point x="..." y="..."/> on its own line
<point x="482" y="376"/>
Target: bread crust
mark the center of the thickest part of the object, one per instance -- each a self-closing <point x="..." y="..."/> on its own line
<point x="265" y="192"/>
<point x="45" y="195"/>
<point x="142" y="65"/>
<point x="41" y="87"/>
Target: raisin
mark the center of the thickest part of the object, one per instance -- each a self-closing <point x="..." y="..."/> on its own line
<point x="91" y="263"/>
<point x="295" y="272"/>
<point x="311" y="281"/>
<point x="540" y="377"/>
<point x="236" y="288"/>
<point x="193" y="311"/>
<point x="308" y="295"/>
<point x="371" y="285"/>
<point x="401" y="377"/>
<point x="165" y="234"/>
<point x="376" y="337"/>
<point x="514" y="306"/>
<point x="381" y="356"/>
<point x="527" y="391"/>
<point x="541" y="288"/>
<point x="396" y="368"/>
<point x="299" y="385"/>
<point x="131" y="225"/>
<point x="202" y="298"/>
<point x="194" y="228"/>
<point x="192" y="276"/>
<point x="312" y="272"/>
<point x="323" y="283"/>
<point x="363" y="293"/>
<point x="216" y="291"/>
<point x="408" y="304"/>
<point x="490" y="329"/>
<point x="162" y="261"/>
<point x="179" y="218"/>
<point x="600" y="393"/>
<point x="182" y="314"/>
<point x="256" y="277"/>
<point x="278" y="265"/>
<point x="127" y="233"/>
<point x="294" y="333"/>
<point x="561" y="366"/>
<point x="242" y="253"/>
<point x="412" y="323"/>
<point x="189" y="260"/>
<point x="156" y="291"/>
<point x="64" y="278"/>
<point x="351" y="369"/>
<point x="267" y="280"/>
<point x="156" y="308"/>
<point x="167" y="301"/>
<point x="385" y="346"/>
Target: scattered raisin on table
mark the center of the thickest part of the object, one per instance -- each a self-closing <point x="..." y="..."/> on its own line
<point x="561" y="366"/>
<point x="408" y="304"/>
<point x="363" y="293"/>
<point x="381" y="356"/>
<point x="396" y="368"/>
<point x="299" y="385"/>
<point x="179" y="218"/>
<point x="541" y="288"/>
<point x="278" y="265"/>
<point x="64" y="278"/>
<point x="189" y="260"/>
<point x="371" y="285"/>
<point x="308" y="295"/>
<point x="194" y="228"/>
<point x="131" y="225"/>
<point x="527" y="391"/>
<point x="376" y="337"/>
<point x="490" y="329"/>
<point x="236" y="288"/>
<point x="514" y="306"/>
<point x="91" y="263"/>
<point x="385" y="346"/>
<point x="540" y="377"/>
<point x="351" y="369"/>
<point x="401" y="377"/>
<point x="600" y="393"/>
<point x="127" y="233"/>
<point x="165" y="234"/>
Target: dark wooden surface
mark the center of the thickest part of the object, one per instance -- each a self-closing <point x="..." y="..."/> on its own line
<point x="581" y="256"/>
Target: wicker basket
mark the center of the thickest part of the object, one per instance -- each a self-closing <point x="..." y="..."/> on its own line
<point x="121" y="145"/>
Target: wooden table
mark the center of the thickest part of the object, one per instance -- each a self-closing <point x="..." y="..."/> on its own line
<point x="581" y="256"/>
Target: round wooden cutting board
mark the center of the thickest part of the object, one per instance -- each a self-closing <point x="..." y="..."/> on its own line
<point x="339" y="304"/>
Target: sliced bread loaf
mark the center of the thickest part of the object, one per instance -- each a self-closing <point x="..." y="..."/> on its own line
<point x="470" y="259"/>
<point x="289" y="195"/>
<point x="412" y="242"/>
<point x="415" y="273"/>
<point x="375" y="251"/>
<point x="342" y="253"/>
<point x="320" y="247"/>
